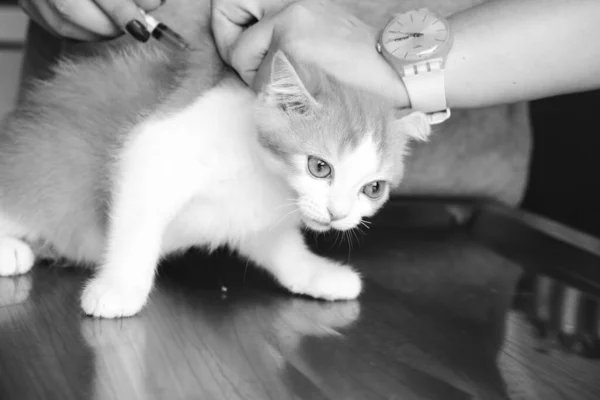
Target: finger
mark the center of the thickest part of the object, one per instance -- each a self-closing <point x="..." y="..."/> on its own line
<point x="228" y="21"/>
<point x="87" y="15"/>
<point x="94" y="17"/>
<point x="67" y="29"/>
<point x="51" y="20"/>
<point x="248" y="52"/>
<point x="34" y="14"/>
<point x="127" y="16"/>
<point x="225" y="33"/>
<point x="149" y="5"/>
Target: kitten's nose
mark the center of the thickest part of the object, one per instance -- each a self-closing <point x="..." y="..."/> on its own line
<point x="336" y="215"/>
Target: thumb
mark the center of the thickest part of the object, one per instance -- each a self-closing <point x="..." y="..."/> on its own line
<point x="228" y="21"/>
<point x="248" y="52"/>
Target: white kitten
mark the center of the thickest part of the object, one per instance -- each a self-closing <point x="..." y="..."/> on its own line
<point x="230" y="168"/>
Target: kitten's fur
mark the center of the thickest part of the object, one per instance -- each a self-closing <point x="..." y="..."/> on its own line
<point x="132" y="153"/>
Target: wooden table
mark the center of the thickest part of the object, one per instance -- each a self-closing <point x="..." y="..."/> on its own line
<point x="463" y="300"/>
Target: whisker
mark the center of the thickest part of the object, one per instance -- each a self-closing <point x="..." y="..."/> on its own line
<point x="290" y="202"/>
<point x="284" y="217"/>
<point x="359" y="231"/>
<point x="245" y="271"/>
<point x="347" y="234"/>
<point x="284" y="205"/>
<point x="358" y="242"/>
<point x="337" y="236"/>
<point x="315" y="236"/>
<point x="366" y="224"/>
<point x="303" y="228"/>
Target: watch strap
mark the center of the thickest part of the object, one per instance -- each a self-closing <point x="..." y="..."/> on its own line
<point x="426" y="90"/>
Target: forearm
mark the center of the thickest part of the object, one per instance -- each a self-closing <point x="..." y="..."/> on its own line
<point x="517" y="50"/>
<point x="513" y="50"/>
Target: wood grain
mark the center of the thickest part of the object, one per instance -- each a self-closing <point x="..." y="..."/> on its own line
<point x="443" y="317"/>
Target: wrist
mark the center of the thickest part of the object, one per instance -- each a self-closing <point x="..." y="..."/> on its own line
<point x="388" y="81"/>
<point x="393" y="87"/>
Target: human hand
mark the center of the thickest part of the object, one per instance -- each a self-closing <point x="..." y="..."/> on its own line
<point x="90" y="20"/>
<point x="311" y="31"/>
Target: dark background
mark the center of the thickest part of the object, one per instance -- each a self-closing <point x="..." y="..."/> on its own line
<point x="563" y="180"/>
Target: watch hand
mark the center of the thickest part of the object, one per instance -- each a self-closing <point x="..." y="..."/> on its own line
<point x="406" y="37"/>
<point x="405" y="33"/>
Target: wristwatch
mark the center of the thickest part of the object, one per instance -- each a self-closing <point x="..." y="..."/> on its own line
<point x="416" y="44"/>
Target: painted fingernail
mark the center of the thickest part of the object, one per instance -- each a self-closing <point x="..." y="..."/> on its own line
<point x="138" y="30"/>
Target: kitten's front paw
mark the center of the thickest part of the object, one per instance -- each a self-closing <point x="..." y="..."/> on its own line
<point x="111" y="298"/>
<point x="324" y="279"/>
<point x="14" y="290"/>
<point x="16" y="257"/>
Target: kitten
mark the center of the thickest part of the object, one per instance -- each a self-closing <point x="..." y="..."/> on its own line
<point x="132" y="153"/>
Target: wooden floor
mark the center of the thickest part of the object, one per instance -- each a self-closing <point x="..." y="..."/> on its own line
<point x="443" y="317"/>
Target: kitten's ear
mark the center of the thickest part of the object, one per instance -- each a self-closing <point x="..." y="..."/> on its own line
<point x="414" y="125"/>
<point x="285" y="88"/>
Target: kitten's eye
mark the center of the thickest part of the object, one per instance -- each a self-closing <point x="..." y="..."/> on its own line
<point x="374" y="190"/>
<point x="318" y="168"/>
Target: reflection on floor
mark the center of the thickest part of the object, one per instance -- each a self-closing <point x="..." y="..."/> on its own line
<point x="437" y="321"/>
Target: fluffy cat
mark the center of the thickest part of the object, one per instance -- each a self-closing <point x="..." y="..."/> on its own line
<point x="132" y="152"/>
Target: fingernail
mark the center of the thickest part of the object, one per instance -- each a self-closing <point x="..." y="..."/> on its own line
<point x="138" y="30"/>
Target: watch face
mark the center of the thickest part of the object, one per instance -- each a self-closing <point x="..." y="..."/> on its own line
<point x="414" y="35"/>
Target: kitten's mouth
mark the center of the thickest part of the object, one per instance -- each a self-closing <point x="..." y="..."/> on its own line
<point x="316" y="225"/>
